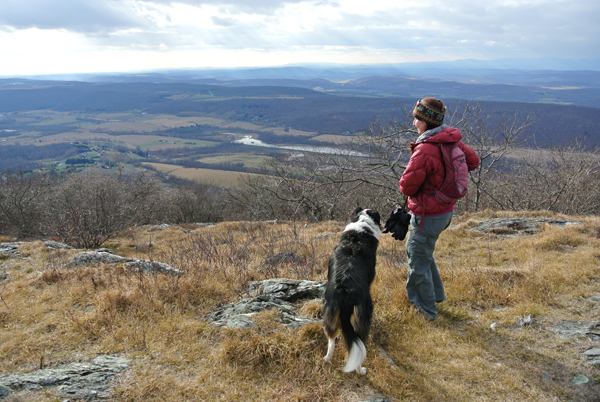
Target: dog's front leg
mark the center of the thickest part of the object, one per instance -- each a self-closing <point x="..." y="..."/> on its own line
<point x="330" y="349"/>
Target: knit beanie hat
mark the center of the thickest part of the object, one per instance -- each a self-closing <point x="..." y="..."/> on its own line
<point x="431" y="110"/>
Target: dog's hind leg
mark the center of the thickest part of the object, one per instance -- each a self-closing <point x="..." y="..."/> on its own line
<point x="331" y="325"/>
<point x="330" y="349"/>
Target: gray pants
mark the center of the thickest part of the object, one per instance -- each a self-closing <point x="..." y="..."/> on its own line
<point x="424" y="286"/>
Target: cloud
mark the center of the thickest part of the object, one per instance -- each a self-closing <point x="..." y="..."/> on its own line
<point x="72" y="15"/>
<point x="381" y="30"/>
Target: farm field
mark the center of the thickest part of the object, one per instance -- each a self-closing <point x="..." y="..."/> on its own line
<point x="131" y="128"/>
<point x="219" y="178"/>
<point x="248" y="160"/>
<point x="147" y="141"/>
<point x="111" y="141"/>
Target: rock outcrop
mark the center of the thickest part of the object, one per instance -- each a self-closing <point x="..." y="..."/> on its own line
<point x="512" y="227"/>
<point x="10" y="249"/>
<point x="107" y="257"/>
<point x="284" y="295"/>
<point x="84" y="380"/>
<point x="55" y="245"/>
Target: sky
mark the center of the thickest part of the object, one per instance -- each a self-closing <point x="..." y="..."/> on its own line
<point x="86" y="36"/>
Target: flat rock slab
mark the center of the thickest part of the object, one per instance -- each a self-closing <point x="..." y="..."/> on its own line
<point x="84" y="380"/>
<point x="10" y="249"/>
<point x="287" y="289"/>
<point x="280" y="294"/>
<point x="519" y="226"/>
<point x="89" y="257"/>
<point x="594" y="352"/>
<point x="570" y="329"/>
<point x="55" y="245"/>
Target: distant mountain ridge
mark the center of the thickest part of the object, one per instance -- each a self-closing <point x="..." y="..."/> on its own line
<point x="553" y="81"/>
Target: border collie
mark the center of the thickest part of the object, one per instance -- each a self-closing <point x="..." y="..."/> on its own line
<point x="347" y="301"/>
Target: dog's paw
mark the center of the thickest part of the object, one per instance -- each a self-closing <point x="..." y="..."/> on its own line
<point x="327" y="358"/>
<point x="362" y="371"/>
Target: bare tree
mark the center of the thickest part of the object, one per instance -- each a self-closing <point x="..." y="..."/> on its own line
<point x="492" y="136"/>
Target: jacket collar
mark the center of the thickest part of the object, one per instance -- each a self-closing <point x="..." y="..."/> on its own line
<point x="431" y="133"/>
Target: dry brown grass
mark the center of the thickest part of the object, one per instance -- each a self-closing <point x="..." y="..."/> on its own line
<point x="54" y="315"/>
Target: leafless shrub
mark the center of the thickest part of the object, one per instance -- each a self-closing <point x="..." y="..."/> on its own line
<point x="88" y="209"/>
<point x="195" y="203"/>
<point x="22" y="201"/>
<point x="565" y="180"/>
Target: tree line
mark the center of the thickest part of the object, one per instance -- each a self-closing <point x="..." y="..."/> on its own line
<point x="87" y="209"/>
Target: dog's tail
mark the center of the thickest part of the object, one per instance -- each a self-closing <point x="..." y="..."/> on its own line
<point x="355" y="328"/>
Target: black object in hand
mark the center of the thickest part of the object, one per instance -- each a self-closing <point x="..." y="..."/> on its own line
<point x="397" y="224"/>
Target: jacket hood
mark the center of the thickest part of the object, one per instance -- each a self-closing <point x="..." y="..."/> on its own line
<point x="443" y="133"/>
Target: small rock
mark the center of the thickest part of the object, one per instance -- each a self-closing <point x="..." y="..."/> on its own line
<point x="387" y="357"/>
<point x="284" y="257"/>
<point x="375" y="398"/>
<point x="4" y="391"/>
<point x="580" y="379"/>
<point x="525" y="321"/>
<point x="494" y="325"/>
<point x="592" y="352"/>
<point x="10" y="249"/>
<point x="161" y="226"/>
<point x="143" y="246"/>
<point x="56" y="245"/>
<point x="326" y="236"/>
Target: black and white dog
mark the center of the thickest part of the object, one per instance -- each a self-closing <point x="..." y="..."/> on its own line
<point x="348" y="305"/>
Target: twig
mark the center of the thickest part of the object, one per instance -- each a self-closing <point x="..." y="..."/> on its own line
<point x="70" y="315"/>
<point x="1" y="298"/>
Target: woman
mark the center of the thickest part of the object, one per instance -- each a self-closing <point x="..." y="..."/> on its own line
<point x="428" y="216"/>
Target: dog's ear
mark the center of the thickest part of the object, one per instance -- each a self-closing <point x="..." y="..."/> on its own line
<point x="375" y="216"/>
<point x="355" y="213"/>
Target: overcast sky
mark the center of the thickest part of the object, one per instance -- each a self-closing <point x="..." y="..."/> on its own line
<point x="69" y="36"/>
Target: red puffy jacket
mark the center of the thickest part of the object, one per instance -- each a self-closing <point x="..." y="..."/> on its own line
<point x="426" y="163"/>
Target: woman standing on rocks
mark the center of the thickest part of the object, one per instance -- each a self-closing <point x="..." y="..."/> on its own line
<point x="429" y="217"/>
